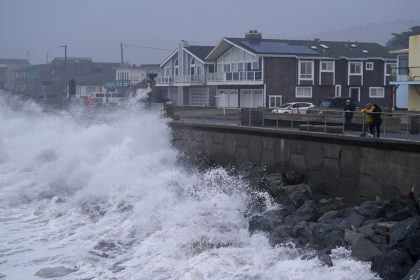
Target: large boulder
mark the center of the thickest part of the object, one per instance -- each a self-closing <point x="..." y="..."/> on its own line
<point x="362" y="248"/>
<point x="292" y="194"/>
<point x="392" y="264"/>
<point x="371" y="209"/>
<point x="399" y="210"/>
<point x="267" y="221"/>
<point x="402" y="232"/>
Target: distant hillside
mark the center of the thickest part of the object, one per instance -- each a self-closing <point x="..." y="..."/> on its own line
<point x="372" y="32"/>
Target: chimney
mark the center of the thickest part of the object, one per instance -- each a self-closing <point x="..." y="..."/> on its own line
<point x="253" y="36"/>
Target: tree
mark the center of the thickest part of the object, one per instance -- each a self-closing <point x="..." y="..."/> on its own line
<point x="400" y="40"/>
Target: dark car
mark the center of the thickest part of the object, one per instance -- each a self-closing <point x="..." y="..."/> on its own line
<point x="336" y="102"/>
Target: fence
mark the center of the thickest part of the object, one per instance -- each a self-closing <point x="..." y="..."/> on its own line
<point x="400" y="126"/>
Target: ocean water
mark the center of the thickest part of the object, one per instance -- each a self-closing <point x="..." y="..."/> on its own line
<point x="106" y="197"/>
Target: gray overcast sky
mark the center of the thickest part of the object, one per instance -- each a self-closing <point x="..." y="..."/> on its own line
<point x="94" y="28"/>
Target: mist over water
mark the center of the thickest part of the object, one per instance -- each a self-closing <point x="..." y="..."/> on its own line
<point x="107" y="198"/>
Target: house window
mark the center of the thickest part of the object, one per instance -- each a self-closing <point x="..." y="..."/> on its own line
<point x="337" y="90"/>
<point x="391" y="68"/>
<point x="327" y="66"/>
<point x="369" y="66"/>
<point x="376" y="92"/>
<point x="306" y="70"/>
<point x="303" y="92"/>
<point x="274" y="101"/>
<point x="355" y="68"/>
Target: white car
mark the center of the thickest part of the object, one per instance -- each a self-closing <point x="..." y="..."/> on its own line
<point x="293" y="108"/>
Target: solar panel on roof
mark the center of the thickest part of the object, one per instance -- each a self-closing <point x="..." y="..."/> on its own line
<point x="278" y="48"/>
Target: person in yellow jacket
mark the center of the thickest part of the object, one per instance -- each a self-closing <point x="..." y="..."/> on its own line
<point x="368" y="117"/>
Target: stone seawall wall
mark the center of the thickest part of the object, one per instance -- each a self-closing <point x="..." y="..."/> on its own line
<point x="345" y="166"/>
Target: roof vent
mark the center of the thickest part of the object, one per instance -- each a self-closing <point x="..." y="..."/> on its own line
<point x="324" y="46"/>
<point x="253" y="36"/>
<point x="365" y="51"/>
<point x="314" y="47"/>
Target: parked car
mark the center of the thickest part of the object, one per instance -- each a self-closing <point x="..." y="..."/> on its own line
<point x="336" y="102"/>
<point x="293" y="108"/>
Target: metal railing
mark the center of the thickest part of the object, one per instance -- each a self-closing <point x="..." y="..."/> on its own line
<point x="398" y="126"/>
<point x="182" y="79"/>
<point x="164" y="80"/>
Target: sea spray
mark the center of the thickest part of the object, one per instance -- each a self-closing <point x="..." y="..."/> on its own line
<point x="107" y="198"/>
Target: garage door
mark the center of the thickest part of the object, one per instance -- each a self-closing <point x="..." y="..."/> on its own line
<point x="198" y="96"/>
<point x="227" y="98"/>
<point x="251" y="98"/>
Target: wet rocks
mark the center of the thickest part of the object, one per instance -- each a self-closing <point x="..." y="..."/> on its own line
<point x="392" y="264"/>
<point x="54" y="272"/>
<point x="386" y="233"/>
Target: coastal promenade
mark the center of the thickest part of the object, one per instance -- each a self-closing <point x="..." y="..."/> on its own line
<point x="340" y="163"/>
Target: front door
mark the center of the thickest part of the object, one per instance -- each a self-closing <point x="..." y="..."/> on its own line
<point x="354" y="93"/>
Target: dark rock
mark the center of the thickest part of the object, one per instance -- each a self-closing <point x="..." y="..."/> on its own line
<point x="327" y="205"/>
<point x="327" y="235"/>
<point x="414" y="273"/>
<point x="362" y="248"/>
<point x="392" y="264"/>
<point x="412" y="243"/>
<point x="367" y="230"/>
<point x="308" y="211"/>
<point x="291" y="177"/>
<point x="398" y="236"/>
<point x="293" y="194"/>
<point x="353" y="220"/>
<point x="54" y="272"/>
<point x="372" y="209"/>
<point x="324" y="259"/>
<point x="268" y="220"/>
<point x="398" y="210"/>
<point x="281" y="234"/>
<point x="328" y="216"/>
<point x="302" y="232"/>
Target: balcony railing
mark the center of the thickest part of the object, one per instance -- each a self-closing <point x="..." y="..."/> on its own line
<point x="164" y="80"/>
<point x="182" y="79"/>
<point x="406" y="74"/>
<point x="237" y="77"/>
<point x="189" y="79"/>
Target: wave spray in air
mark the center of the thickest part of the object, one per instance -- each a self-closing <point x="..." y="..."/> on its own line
<point x="108" y="199"/>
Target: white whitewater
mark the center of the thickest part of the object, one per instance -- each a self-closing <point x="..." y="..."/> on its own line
<point x="107" y="199"/>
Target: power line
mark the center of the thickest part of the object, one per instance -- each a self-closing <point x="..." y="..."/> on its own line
<point x="146" y="47"/>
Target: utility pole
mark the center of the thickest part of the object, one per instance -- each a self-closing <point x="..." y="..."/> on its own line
<point x="65" y="67"/>
<point x="122" y="55"/>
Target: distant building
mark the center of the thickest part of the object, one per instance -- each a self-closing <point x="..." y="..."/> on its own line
<point x="407" y="80"/>
<point x="25" y="78"/>
<point x="52" y="81"/>
<point x="134" y="76"/>
<point x="7" y="72"/>
<point x="257" y="72"/>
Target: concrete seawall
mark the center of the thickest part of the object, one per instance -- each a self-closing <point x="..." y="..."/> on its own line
<point x="345" y="166"/>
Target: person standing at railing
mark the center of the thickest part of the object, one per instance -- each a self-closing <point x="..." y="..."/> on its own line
<point x="377" y="121"/>
<point x="368" y="117"/>
<point x="348" y="115"/>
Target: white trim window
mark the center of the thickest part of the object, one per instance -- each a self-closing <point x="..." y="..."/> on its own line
<point x="376" y="92"/>
<point x="355" y="68"/>
<point x="306" y="70"/>
<point x="369" y="66"/>
<point x="303" y="92"/>
<point x="274" y="101"/>
<point x="391" y="68"/>
<point x="327" y="66"/>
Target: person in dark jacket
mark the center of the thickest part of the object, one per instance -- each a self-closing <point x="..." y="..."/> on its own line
<point x="377" y="121"/>
<point x="348" y="115"/>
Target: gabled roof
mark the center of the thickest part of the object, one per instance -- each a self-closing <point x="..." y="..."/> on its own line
<point x="200" y="51"/>
<point x="302" y="48"/>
